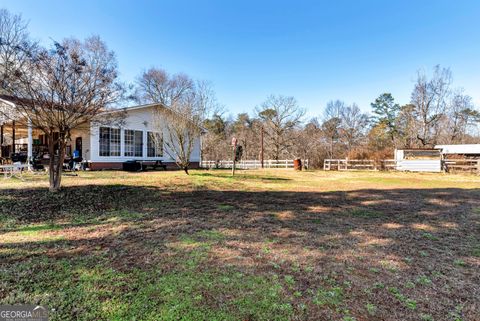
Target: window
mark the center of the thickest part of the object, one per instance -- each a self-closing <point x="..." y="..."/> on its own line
<point x="109" y="141"/>
<point x="154" y="145"/>
<point x="133" y="143"/>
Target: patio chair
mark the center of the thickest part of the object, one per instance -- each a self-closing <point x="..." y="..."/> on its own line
<point x="17" y="170"/>
<point x="36" y="167"/>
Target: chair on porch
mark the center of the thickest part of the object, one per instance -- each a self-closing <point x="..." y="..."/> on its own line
<point x="37" y="167"/>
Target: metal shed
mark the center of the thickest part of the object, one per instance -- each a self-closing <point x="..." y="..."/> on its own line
<point x="418" y="160"/>
<point x="461" y="157"/>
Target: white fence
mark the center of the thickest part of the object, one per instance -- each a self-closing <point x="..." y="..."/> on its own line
<point x="358" y="164"/>
<point x="448" y="165"/>
<point x="252" y="164"/>
<point x="462" y="165"/>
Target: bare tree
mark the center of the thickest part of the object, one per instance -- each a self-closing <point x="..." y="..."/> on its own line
<point x="429" y="98"/>
<point x="379" y="140"/>
<point x="246" y="129"/>
<point x="309" y="144"/>
<point x="156" y="85"/>
<point x="331" y="124"/>
<point x="214" y="141"/>
<point x="184" y="106"/>
<point x="407" y="124"/>
<point x="461" y="114"/>
<point x="15" y="46"/>
<point x="354" y="124"/>
<point x="61" y="89"/>
<point x="281" y="116"/>
<point x="183" y="120"/>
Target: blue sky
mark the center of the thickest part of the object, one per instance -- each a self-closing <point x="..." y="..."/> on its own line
<point x="314" y="50"/>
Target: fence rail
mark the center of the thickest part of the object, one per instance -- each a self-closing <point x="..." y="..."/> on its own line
<point x="252" y="164"/>
<point x="358" y="164"/>
<point x="462" y="165"/>
<point x="449" y="165"/>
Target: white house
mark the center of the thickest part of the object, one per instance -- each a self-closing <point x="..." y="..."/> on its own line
<point x="140" y="137"/>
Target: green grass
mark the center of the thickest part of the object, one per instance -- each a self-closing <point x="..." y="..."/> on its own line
<point x="423" y="280"/>
<point x="426" y="317"/>
<point x="263" y="245"/>
<point x="36" y="229"/>
<point x="211" y="235"/>
<point x="459" y="262"/>
<point x="225" y="207"/>
<point x="409" y="303"/>
<point x="371" y="309"/>
<point x="95" y="291"/>
<point x="332" y="296"/>
<point x="430" y="236"/>
<point x="476" y="251"/>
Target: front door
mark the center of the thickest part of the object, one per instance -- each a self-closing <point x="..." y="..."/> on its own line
<point x="78" y="145"/>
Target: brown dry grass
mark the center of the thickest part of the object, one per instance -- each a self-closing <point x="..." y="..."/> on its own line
<point x="365" y="246"/>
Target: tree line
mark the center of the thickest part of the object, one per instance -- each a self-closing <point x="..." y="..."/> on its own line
<point x="72" y="82"/>
<point x="437" y="113"/>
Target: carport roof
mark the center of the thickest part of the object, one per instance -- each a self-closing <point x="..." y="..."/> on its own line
<point x="459" y="149"/>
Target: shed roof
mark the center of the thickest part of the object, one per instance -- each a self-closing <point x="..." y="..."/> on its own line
<point x="459" y="149"/>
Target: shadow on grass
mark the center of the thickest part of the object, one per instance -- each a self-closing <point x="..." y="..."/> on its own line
<point x="347" y="241"/>
<point x="241" y="175"/>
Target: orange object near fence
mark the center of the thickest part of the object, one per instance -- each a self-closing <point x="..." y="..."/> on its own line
<point x="297" y="164"/>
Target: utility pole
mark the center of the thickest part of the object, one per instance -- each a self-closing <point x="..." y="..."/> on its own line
<point x="13" y="138"/>
<point x="234" y="148"/>
<point x="261" y="147"/>
<point x="1" y="140"/>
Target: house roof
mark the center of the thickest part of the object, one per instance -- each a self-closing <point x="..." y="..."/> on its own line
<point x="11" y="100"/>
<point x="121" y="109"/>
<point x="7" y="109"/>
<point x="459" y="149"/>
<point x="126" y="109"/>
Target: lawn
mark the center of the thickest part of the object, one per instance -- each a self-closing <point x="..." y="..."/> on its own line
<point x="265" y="245"/>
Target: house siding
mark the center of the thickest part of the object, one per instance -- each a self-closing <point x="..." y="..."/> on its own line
<point x="85" y="134"/>
<point x="118" y="165"/>
<point x="138" y="119"/>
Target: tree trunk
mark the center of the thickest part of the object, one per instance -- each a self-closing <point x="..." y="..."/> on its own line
<point x="55" y="164"/>
<point x="277" y="152"/>
<point x="185" y="168"/>
<point x="331" y="148"/>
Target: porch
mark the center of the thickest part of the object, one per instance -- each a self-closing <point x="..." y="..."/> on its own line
<point x="21" y="142"/>
<point x="16" y="141"/>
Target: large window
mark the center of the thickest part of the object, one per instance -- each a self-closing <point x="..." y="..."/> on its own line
<point x="133" y="143"/>
<point x="109" y="141"/>
<point x="154" y="145"/>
